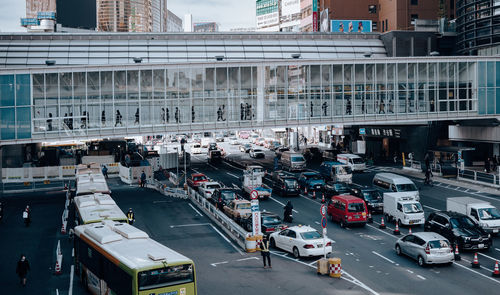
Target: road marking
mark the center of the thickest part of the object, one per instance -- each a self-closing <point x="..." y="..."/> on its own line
<point x="213" y="166"/>
<point x="421" y="277"/>
<point x="476" y="272"/>
<point x="410" y="271"/>
<point x="195" y="170"/>
<point x="232" y="166"/>
<point x="216" y="263"/>
<point x="198" y="212"/>
<point x="282" y="204"/>
<point x="467" y="190"/>
<point x="72" y="274"/>
<point x="73" y="252"/>
<point x="187" y="225"/>
<point x="432" y="208"/>
<point x="227" y="240"/>
<point x="494" y="259"/>
<point x="317" y="222"/>
<point x="157" y="202"/>
<point x="231" y="174"/>
<point x="485" y="268"/>
<point x="383" y="257"/>
<point x="381" y="231"/>
<point x="235" y="186"/>
<point x="497" y="249"/>
<point x="243" y="259"/>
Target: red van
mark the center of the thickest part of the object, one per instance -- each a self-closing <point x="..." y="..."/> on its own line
<point x="347" y="210"/>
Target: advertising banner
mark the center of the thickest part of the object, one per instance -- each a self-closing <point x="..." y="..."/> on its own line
<point x="290" y="7"/>
<point x="315" y="21"/>
<point x="351" y="26"/>
<point x="324" y="23"/>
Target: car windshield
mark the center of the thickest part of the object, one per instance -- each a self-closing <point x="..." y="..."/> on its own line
<point x="290" y="182"/>
<point x="312" y="176"/>
<point x="357" y="161"/>
<point x="373" y="196"/>
<point x="438" y="244"/>
<point x="196" y="146"/>
<point x="297" y="159"/>
<point x="258" y="170"/>
<point x="406" y="187"/>
<point x="489" y="214"/>
<point x="343" y="170"/>
<point x="257" y="151"/>
<point x="340" y="187"/>
<point x="356" y="207"/>
<point x="247" y="145"/>
<point x="243" y="206"/>
<point x="462" y="222"/>
<point x="198" y="178"/>
<point x="271" y="220"/>
<point x="310" y="235"/>
<point x="412" y="208"/>
<point x="228" y="195"/>
<point x="213" y="186"/>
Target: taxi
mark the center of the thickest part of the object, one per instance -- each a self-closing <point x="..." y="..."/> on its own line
<point x="301" y="241"/>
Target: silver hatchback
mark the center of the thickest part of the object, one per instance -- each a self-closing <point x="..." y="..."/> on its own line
<point x="426" y="248"/>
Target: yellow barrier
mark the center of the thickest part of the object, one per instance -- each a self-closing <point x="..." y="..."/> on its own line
<point x="335" y="267"/>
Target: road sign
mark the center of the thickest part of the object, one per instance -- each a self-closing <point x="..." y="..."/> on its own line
<point x="324" y="232"/>
<point x="323" y="210"/>
<point x="254" y="195"/>
<point x="323" y="222"/>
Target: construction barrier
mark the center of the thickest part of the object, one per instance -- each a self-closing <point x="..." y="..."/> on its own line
<point x="251" y="244"/>
<point x="322" y="266"/>
<point x="59" y="257"/>
<point x="335" y="267"/>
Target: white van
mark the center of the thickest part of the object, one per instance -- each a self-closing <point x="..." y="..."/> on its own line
<point x="390" y="182"/>
<point x="354" y="161"/>
<point x="293" y="161"/>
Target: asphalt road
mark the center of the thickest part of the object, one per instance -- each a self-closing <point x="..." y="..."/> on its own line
<point x="368" y="253"/>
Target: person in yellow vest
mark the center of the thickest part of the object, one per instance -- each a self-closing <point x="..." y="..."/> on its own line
<point x="130" y="216"/>
<point x="264" y="250"/>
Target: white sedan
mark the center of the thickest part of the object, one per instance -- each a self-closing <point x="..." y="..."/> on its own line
<point x="233" y="141"/>
<point x="301" y="240"/>
<point x="196" y="148"/>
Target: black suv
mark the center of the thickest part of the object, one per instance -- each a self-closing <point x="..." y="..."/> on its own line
<point x="332" y="188"/>
<point x="458" y="229"/>
<point x="373" y="198"/>
<point x="223" y="196"/>
<point x="285" y="184"/>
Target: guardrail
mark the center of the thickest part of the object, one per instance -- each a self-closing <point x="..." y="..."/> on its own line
<point x="480" y="177"/>
<point x="168" y="191"/>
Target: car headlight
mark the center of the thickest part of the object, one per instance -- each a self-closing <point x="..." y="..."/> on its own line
<point x="489" y="236"/>
<point x="483" y="225"/>
<point x="466" y="239"/>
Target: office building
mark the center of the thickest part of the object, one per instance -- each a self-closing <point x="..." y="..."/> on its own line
<point x="174" y="23"/>
<point x="188" y="23"/>
<point x="268" y="15"/>
<point x="205" y="27"/>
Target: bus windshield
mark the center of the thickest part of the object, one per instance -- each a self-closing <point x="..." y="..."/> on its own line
<point x="167" y="276"/>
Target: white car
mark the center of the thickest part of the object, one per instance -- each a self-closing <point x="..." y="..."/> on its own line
<point x="206" y="189"/>
<point x="233" y="141"/>
<point x="256" y="153"/>
<point x="301" y="241"/>
<point x="196" y="148"/>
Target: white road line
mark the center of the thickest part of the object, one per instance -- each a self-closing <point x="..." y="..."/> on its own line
<point x="421" y="277"/>
<point x="213" y="166"/>
<point x="381" y="230"/>
<point x="195" y="170"/>
<point x="467" y="190"/>
<point x="485" y="268"/>
<point x="476" y="272"/>
<point x="216" y="263"/>
<point x="73" y="252"/>
<point x="231" y="174"/>
<point x="282" y="204"/>
<point x="432" y="208"/>
<point x="314" y="262"/>
<point x="235" y="186"/>
<point x="227" y="240"/>
<point x="232" y="166"/>
<point x="410" y="271"/>
<point x="497" y="249"/>
<point x="383" y="257"/>
<point x="249" y="258"/>
<point x="188" y="225"/>
<point x="494" y="259"/>
<point x="317" y="222"/>
<point x="198" y="212"/>
<point x="72" y="274"/>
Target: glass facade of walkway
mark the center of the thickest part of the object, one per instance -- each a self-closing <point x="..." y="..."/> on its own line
<point x="67" y="102"/>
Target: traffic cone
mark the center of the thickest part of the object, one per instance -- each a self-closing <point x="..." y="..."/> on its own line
<point x="323" y="198"/>
<point x="496" y="271"/>
<point x="396" y="230"/>
<point x="305" y="191"/>
<point x="58" y="268"/>
<point x="314" y="195"/>
<point x="457" y="255"/>
<point x="409" y="232"/>
<point x="475" y="263"/>
<point x="63" y="229"/>
<point x="382" y="224"/>
<point x="370" y="219"/>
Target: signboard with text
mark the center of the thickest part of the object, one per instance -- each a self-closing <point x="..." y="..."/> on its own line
<point x="256" y="226"/>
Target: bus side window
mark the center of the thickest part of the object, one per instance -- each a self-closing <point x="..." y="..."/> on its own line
<point x="393" y="188"/>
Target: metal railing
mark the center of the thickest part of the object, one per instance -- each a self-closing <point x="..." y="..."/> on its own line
<point x="480" y="177"/>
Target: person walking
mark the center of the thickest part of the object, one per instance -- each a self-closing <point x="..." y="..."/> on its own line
<point x="264" y="251"/>
<point x="143" y="179"/>
<point x="105" y="171"/>
<point x="494" y="163"/>
<point x="130" y="216"/>
<point x="103" y="118"/>
<point x="487" y="165"/>
<point x="287" y="215"/>
<point x="23" y="266"/>
<point x="136" y="117"/>
<point x="27" y="216"/>
<point x="428" y="176"/>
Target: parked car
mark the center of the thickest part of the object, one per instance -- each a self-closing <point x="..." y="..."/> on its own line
<point x="372" y="197"/>
<point x="245" y="148"/>
<point x="238" y="209"/>
<point x="336" y="188"/>
<point x="285" y="184"/>
<point x="256" y="153"/>
<point x="301" y="241"/>
<point x="196" y="179"/>
<point x="313" y="154"/>
<point x="222" y="196"/>
<point x="270" y="223"/>
<point x="459" y="229"/>
<point x="311" y="181"/>
<point x="207" y="188"/>
<point x="347" y="210"/>
<point x="426" y="248"/>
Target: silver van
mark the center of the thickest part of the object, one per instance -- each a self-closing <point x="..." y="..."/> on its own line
<point x="293" y="161"/>
<point x="390" y="182"/>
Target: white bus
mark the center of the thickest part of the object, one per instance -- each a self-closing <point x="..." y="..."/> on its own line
<point x="117" y="258"/>
<point x="97" y="207"/>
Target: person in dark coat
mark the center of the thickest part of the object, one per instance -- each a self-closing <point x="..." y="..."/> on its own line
<point x="23" y="266"/>
<point x="27" y="216"/>
<point x="130" y="216"/>
<point x="143" y="179"/>
<point x="264" y="251"/>
<point x="487" y="165"/>
<point x="288" y="212"/>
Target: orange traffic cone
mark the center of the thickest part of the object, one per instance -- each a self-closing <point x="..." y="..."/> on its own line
<point x="305" y="191"/>
<point x="475" y="263"/>
<point x="63" y="229"/>
<point x="409" y="232"/>
<point x="457" y="255"/>
<point x="58" y="268"/>
<point x="396" y="230"/>
<point x="323" y="198"/>
<point x="496" y="271"/>
<point x="314" y="195"/>
<point x="370" y="219"/>
<point x="382" y="224"/>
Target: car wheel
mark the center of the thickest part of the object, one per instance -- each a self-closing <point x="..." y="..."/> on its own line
<point x="273" y="243"/>
<point x="296" y="253"/>
<point x="342" y="223"/>
<point x="421" y="261"/>
<point x="331" y="217"/>
<point x="249" y="228"/>
<point x="399" y="222"/>
<point x="398" y="250"/>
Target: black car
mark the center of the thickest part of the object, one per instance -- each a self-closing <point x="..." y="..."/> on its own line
<point x="245" y="148"/>
<point x="285" y="184"/>
<point x="336" y="188"/>
<point x="313" y="154"/>
<point x="222" y="197"/>
<point x="270" y="223"/>
<point x="212" y="146"/>
<point x="214" y="157"/>
<point x="279" y="151"/>
<point x="458" y="229"/>
<point x="373" y="198"/>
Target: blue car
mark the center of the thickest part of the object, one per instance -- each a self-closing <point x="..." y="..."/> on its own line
<point x="312" y="181"/>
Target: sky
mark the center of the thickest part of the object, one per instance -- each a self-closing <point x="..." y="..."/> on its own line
<point x="228" y="13"/>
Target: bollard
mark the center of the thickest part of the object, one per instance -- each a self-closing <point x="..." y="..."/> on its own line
<point x="335" y="267"/>
<point x="322" y="266"/>
<point x="251" y="244"/>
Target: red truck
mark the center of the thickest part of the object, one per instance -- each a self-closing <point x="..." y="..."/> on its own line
<point x="196" y="179"/>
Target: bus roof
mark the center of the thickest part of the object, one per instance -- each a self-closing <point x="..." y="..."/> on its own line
<point x="129" y="245"/>
<point x="97" y="207"/>
<point x="91" y="183"/>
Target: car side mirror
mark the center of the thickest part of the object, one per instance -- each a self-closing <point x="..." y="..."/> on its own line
<point x="447" y="225"/>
